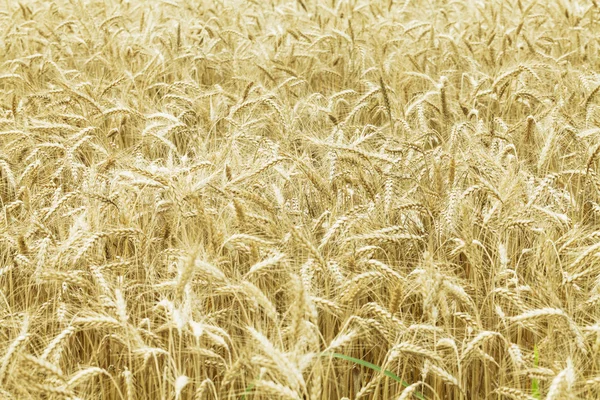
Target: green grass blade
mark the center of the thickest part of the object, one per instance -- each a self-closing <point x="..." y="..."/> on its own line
<point x="358" y="361"/>
<point x="374" y="367"/>
<point x="535" y="383"/>
<point x="248" y="390"/>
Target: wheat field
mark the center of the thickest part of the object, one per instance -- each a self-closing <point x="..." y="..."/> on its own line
<point x="303" y="199"/>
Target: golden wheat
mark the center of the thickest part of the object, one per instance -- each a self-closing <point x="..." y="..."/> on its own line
<point x="378" y="199"/>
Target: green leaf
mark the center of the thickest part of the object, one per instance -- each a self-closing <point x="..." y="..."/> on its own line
<point x="358" y="361"/>
<point x="248" y="390"/>
<point x="535" y="383"/>
<point x="374" y="367"/>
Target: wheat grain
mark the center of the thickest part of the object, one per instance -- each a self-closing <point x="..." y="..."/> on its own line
<point x="562" y="384"/>
<point x="479" y="340"/>
<point x="10" y="354"/>
<point x="276" y="389"/>
<point x="83" y="375"/>
<point x="45" y="367"/>
<point x="513" y="393"/>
